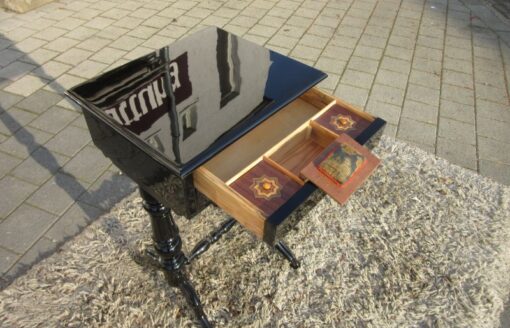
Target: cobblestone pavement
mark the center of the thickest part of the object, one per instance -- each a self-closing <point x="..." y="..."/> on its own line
<point x="433" y="69"/>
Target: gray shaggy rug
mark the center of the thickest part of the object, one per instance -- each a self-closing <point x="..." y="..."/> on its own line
<point x="421" y="244"/>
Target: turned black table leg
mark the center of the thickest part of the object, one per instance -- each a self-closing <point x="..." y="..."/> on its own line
<point x="281" y="247"/>
<point x="168" y="247"/>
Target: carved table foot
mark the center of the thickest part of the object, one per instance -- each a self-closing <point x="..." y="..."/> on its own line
<point x="168" y="252"/>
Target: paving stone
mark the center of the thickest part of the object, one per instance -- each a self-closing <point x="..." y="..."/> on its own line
<point x="7" y="163"/>
<point x="354" y="95"/>
<point x="358" y="79"/>
<point x="39" y="166"/>
<point x="54" y="119"/>
<point x="494" y="129"/>
<point x="457" y="131"/>
<point x="157" y="42"/>
<point x="339" y="53"/>
<point x="126" y="43"/>
<point x="495" y="170"/>
<point x="457" y="94"/>
<point x="490" y="78"/>
<point x="456" y="111"/>
<point x="425" y="79"/>
<point x="49" y="34"/>
<point x="420" y="112"/>
<point x="69" y="141"/>
<point x="39" y="56"/>
<point x="108" y="190"/>
<point x="265" y="31"/>
<point x="145" y="32"/>
<point x="73" y="221"/>
<point x="373" y="41"/>
<point x="88" y="69"/>
<point x="387" y="94"/>
<point x="137" y="53"/>
<point x="300" y="21"/>
<point x="306" y="52"/>
<point x="239" y="31"/>
<point x="292" y="31"/>
<point x="430" y="42"/>
<point x="61" y="44"/>
<point x="487" y="92"/>
<point x="99" y="23"/>
<point x="353" y="32"/>
<point x="493" y="111"/>
<point x="79" y="166"/>
<point x="23" y="227"/>
<point x="390" y="130"/>
<point x="343" y="41"/>
<point x="390" y="113"/>
<point x="380" y="31"/>
<point x="423" y="94"/>
<point x="93" y="44"/>
<point x="396" y="65"/>
<point x="26" y="85"/>
<point x="14" y="119"/>
<point x="459" y="79"/>
<point x="201" y="13"/>
<point x="363" y="65"/>
<point x="458" y="65"/>
<point x="74" y="56"/>
<point x="313" y="41"/>
<point x="7" y="259"/>
<point x="330" y="65"/>
<point x="458" y="53"/>
<point x="399" y="53"/>
<point x="427" y="65"/>
<point x="58" y="193"/>
<point x="18" y="191"/>
<point x="51" y="70"/>
<point x="108" y="55"/>
<point x="29" y="45"/>
<point x="7" y="100"/>
<point x="495" y="66"/>
<point x="494" y="150"/>
<point x="15" y="70"/>
<point x="7" y="56"/>
<point x="63" y="83"/>
<point x="82" y="33"/>
<point x="368" y="52"/>
<point x="69" y="23"/>
<point x="39" y="101"/>
<point x="330" y="82"/>
<point x="24" y="142"/>
<point x="115" y="13"/>
<point x="391" y="78"/>
<point x="41" y="249"/>
<point x="418" y="132"/>
<point x="457" y="152"/>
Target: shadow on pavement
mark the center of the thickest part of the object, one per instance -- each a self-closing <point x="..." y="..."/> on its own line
<point x="109" y="192"/>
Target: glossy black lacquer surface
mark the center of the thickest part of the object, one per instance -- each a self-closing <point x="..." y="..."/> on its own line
<point x="184" y="103"/>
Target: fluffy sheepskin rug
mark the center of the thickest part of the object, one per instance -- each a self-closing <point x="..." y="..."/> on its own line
<point x="421" y="244"/>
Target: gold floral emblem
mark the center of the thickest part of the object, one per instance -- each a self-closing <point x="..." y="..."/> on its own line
<point x="266" y="187"/>
<point x="343" y="122"/>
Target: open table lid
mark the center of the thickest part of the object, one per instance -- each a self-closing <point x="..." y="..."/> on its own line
<point x="341" y="168"/>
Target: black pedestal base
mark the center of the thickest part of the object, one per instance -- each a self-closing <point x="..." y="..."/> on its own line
<point x="169" y="256"/>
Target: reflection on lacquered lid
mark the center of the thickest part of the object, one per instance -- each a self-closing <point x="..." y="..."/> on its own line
<point x="191" y="99"/>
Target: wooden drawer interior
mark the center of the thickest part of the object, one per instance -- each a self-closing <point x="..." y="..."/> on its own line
<point x="278" y="148"/>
